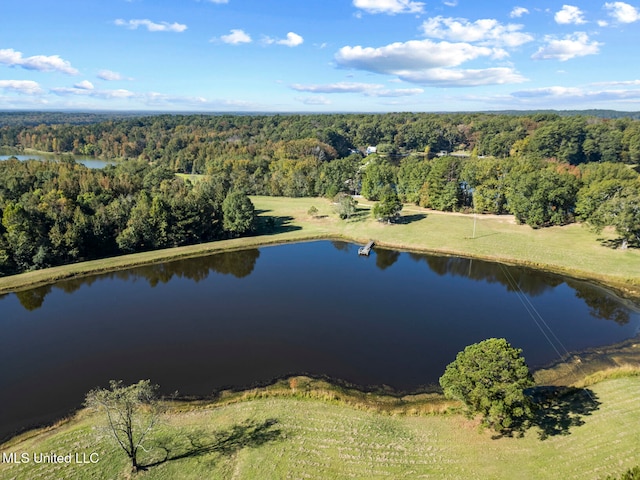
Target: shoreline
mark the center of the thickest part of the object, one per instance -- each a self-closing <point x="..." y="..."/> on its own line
<point x="381" y="399"/>
<point x="627" y="288"/>
<point x="48" y="276"/>
<point x="38" y="278"/>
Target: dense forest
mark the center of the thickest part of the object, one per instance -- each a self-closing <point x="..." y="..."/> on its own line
<point x="545" y="168"/>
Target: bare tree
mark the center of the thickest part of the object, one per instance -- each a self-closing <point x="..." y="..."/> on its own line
<point x="132" y="412"/>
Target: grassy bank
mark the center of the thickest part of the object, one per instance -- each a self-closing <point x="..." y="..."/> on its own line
<point x="572" y="249"/>
<point x="297" y="437"/>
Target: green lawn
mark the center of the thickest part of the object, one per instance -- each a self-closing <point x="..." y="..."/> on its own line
<point x="280" y="438"/>
<point x="571" y="249"/>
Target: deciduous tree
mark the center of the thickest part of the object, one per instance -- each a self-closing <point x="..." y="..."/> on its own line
<point x="490" y="378"/>
<point x="345" y="205"/>
<point x="238" y="213"/>
<point x="132" y="412"/>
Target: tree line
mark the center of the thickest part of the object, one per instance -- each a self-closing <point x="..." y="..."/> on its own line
<point x="54" y="213"/>
<point x="190" y="143"/>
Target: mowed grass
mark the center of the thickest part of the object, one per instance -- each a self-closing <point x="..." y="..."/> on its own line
<point x="294" y="438"/>
<point x="571" y="249"/>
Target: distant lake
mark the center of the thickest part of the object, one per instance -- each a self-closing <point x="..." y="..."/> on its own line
<point x="90" y="162"/>
<point x="245" y="318"/>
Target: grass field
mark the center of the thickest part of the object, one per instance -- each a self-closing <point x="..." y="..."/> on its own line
<point x="296" y="438"/>
<point x="572" y="249"/>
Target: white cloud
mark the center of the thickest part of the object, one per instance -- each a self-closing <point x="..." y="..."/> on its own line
<point x="316" y="100"/>
<point x="151" y="99"/>
<point x="617" y="83"/>
<point x="603" y="23"/>
<point x="339" y="87"/>
<point x="428" y="63"/>
<point x="548" y="92"/>
<point x="389" y="6"/>
<point x="485" y="31"/>
<point x="41" y="63"/>
<point x="447" y="77"/>
<point x="623" y="12"/>
<point x="236" y="37"/>
<point x="575" y="45"/>
<point x="109" y="75"/>
<point x="517" y="12"/>
<point x="582" y="96"/>
<point x="151" y="26"/>
<point x="85" y="85"/>
<point x="292" y="40"/>
<point x="369" y="89"/>
<point x="26" y="87"/>
<point x="411" y="55"/>
<point x="103" y="94"/>
<point x="397" y="92"/>
<point x="570" y="14"/>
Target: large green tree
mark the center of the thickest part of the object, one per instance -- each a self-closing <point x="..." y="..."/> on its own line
<point x="620" y="210"/>
<point x="238" y="213"/>
<point x="490" y="378"/>
<point x="389" y="206"/>
<point x="442" y="190"/>
<point x="412" y="175"/>
<point x="542" y="196"/>
<point x="376" y="175"/>
<point x="485" y="179"/>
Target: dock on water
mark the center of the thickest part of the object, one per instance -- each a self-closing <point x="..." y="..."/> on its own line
<point x="366" y="249"/>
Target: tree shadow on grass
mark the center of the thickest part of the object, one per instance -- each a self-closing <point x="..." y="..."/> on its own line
<point x="482" y="236"/>
<point x="272" y="225"/>
<point x="359" y="215"/>
<point x="249" y="434"/>
<point x="558" y="409"/>
<point x="617" y="243"/>
<point x="406" y="219"/>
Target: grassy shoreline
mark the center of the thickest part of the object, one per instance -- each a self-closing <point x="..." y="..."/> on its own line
<point x="292" y="434"/>
<point x="570" y="250"/>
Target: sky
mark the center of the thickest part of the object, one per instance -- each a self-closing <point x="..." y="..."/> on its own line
<point x="319" y="55"/>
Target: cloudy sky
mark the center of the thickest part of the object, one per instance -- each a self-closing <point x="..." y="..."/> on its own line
<point x="319" y="55"/>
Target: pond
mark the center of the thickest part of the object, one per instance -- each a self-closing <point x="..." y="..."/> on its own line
<point x="90" y="162"/>
<point x="245" y="318"/>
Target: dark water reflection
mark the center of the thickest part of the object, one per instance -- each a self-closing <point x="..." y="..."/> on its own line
<point x="239" y="264"/>
<point x="245" y="318"/>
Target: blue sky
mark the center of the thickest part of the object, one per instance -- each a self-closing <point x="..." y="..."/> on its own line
<point x="318" y="55"/>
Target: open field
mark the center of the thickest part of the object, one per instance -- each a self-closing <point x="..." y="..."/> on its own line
<point x="572" y="249"/>
<point x="587" y="437"/>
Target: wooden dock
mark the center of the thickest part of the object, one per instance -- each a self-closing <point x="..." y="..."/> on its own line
<point x="366" y="249"/>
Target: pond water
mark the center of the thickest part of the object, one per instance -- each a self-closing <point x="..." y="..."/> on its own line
<point x="245" y="318"/>
<point x="90" y="162"/>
